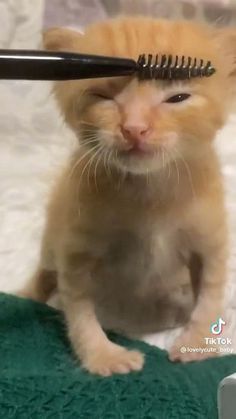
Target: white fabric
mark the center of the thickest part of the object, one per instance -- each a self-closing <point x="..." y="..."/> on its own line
<point x="34" y="143"/>
<point x="78" y="13"/>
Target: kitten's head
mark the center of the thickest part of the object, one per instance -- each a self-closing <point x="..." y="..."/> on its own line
<point x="144" y="125"/>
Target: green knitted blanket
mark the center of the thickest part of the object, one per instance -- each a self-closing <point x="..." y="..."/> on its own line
<point x="40" y="378"/>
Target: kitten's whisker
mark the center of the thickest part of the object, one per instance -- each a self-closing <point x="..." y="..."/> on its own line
<point x="177" y="170"/>
<point x="97" y="164"/>
<point x="87" y="128"/>
<point x="105" y="160"/>
<point x="168" y="162"/>
<point x="109" y="164"/>
<point x="81" y="176"/>
<point x="84" y="169"/>
<point x="90" y="166"/>
<point x="188" y="170"/>
<point x="88" y="133"/>
<point x="175" y="162"/>
<point x="83" y="122"/>
<point x="90" y="140"/>
<point x="94" y="128"/>
<point x="77" y="163"/>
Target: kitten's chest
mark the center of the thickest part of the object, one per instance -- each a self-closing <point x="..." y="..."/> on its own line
<point x="136" y="277"/>
<point x="147" y="251"/>
<point x="134" y="242"/>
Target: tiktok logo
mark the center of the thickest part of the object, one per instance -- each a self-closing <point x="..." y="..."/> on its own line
<point x="217" y="327"/>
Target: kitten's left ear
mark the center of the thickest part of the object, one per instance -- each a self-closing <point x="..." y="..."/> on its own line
<point x="226" y="41"/>
<point x="59" y="39"/>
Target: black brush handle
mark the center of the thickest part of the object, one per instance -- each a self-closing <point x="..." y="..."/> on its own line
<point x="44" y="65"/>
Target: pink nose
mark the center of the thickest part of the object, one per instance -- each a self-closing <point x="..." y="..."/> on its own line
<point x="136" y="134"/>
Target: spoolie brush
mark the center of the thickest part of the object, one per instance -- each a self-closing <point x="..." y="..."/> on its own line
<point x="167" y="67"/>
<point x="45" y="65"/>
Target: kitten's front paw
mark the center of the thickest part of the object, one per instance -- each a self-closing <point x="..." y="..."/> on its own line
<point x="114" y="359"/>
<point x="191" y="346"/>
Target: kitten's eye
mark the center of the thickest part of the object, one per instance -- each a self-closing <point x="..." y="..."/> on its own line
<point x="101" y="95"/>
<point x="178" y="98"/>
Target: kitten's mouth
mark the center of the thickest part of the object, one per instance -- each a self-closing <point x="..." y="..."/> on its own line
<point x="139" y="160"/>
<point x="139" y="150"/>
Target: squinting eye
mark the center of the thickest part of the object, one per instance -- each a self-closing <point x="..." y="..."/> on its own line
<point x="101" y="95"/>
<point x="178" y="98"/>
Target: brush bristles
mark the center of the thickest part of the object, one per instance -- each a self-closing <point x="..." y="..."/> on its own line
<point x="167" y="67"/>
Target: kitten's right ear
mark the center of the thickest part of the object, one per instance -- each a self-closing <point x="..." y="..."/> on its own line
<point x="226" y="41"/>
<point x="61" y="39"/>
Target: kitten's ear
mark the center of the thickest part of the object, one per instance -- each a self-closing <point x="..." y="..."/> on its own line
<point x="66" y="92"/>
<point x="59" y="39"/>
<point x="226" y="40"/>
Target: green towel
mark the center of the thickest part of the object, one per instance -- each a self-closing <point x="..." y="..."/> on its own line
<point x="41" y="379"/>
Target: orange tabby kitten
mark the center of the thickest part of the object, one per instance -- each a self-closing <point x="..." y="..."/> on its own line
<point x="139" y="211"/>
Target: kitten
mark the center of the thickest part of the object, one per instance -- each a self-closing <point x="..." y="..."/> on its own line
<point x="138" y="215"/>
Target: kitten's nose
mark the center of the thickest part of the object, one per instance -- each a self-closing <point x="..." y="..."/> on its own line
<point x="137" y="133"/>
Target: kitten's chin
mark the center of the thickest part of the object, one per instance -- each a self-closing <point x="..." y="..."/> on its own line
<point x="140" y="165"/>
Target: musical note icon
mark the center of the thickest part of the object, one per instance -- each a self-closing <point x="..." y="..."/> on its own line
<point x="217" y="327"/>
